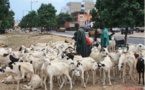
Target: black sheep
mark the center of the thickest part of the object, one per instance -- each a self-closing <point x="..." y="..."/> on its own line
<point x="140" y="68"/>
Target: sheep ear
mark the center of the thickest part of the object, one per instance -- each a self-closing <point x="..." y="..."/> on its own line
<point x="31" y="62"/>
<point x="4" y="55"/>
<point x="103" y="65"/>
<point x="11" y="67"/>
<point x="19" y="67"/>
<point x="72" y="63"/>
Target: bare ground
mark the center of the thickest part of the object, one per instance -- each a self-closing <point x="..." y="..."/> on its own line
<point x="16" y="40"/>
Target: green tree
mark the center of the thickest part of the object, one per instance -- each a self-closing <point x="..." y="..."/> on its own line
<point x="6" y="16"/>
<point x="30" y="20"/>
<point x="47" y="15"/>
<point x="122" y="13"/>
<point x="62" y="17"/>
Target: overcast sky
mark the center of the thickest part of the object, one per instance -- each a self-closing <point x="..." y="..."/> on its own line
<point x="21" y="7"/>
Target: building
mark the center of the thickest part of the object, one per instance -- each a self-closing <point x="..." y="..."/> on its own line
<point x="65" y="9"/>
<point x="80" y="11"/>
<point x="16" y="24"/>
<point x="85" y="6"/>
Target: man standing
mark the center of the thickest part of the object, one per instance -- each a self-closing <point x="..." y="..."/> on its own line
<point x="104" y="37"/>
<point x="81" y="43"/>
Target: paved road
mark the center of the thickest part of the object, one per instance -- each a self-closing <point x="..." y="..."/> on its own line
<point x="118" y="37"/>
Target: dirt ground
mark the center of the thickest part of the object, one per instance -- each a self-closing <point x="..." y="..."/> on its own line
<point x="16" y="40"/>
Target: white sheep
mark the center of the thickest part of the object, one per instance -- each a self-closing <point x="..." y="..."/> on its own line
<point x="83" y="66"/>
<point x="127" y="59"/>
<point x="34" y="83"/>
<point x="20" y="69"/>
<point x="9" y="79"/>
<point x="112" y="44"/>
<point x="106" y="65"/>
<point x="115" y="59"/>
<point x="36" y="62"/>
<point x="56" y="69"/>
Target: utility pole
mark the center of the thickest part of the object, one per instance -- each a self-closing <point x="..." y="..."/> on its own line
<point x="32" y="3"/>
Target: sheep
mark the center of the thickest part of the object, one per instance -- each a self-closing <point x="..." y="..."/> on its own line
<point x="5" y="50"/>
<point x="115" y="59"/>
<point x="8" y="59"/>
<point x="16" y="54"/>
<point x="136" y="48"/>
<point x="34" y="83"/>
<point x="56" y="69"/>
<point x="20" y="69"/>
<point x="37" y="63"/>
<point x="106" y="65"/>
<point x="127" y="58"/>
<point x="83" y="66"/>
<point x="112" y="44"/>
<point x="22" y="48"/>
<point x="36" y="53"/>
<point x="99" y="55"/>
<point x="9" y="79"/>
<point x="140" y="68"/>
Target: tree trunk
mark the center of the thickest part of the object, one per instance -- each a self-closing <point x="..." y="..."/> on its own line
<point x="125" y="38"/>
<point x="30" y="29"/>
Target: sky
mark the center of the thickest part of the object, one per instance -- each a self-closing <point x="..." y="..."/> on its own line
<point x="22" y="7"/>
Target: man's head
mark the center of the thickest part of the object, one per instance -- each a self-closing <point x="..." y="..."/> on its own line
<point x="76" y="25"/>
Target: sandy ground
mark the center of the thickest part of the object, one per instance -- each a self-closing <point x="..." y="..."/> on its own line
<point x="16" y="40"/>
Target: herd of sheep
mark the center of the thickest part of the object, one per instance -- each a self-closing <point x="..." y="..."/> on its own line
<point x="58" y="61"/>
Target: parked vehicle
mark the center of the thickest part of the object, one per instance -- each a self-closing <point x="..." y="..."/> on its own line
<point x="86" y="29"/>
<point x="130" y="30"/>
<point x="34" y="29"/>
<point x="139" y="29"/>
<point x="61" y="29"/>
<point x="116" y="29"/>
<point x="70" y="26"/>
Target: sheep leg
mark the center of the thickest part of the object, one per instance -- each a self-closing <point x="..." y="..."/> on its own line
<point x="63" y="80"/>
<point x="109" y="78"/>
<point x="123" y="76"/>
<point x="51" y="84"/>
<point x="83" y="79"/>
<point x="87" y="77"/>
<point x="104" y="77"/>
<point x="113" y="71"/>
<point x="100" y="71"/>
<point x="120" y="74"/>
<point x="131" y="75"/>
<point x="45" y="83"/>
<point x="143" y="77"/>
<point x="70" y="80"/>
<point x="18" y="84"/>
<point x="73" y="78"/>
<point x="58" y="79"/>
<point x="139" y="74"/>
<point x="93" y="77"/>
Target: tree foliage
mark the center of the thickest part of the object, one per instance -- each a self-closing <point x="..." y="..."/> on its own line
<point x="6" y="16"/>
<point x="30" y="20"/>
<point x="47" y="15"/>
<point x="122" y="13"/>
<point x="62" y="17"/>
<point x="119" y="13"/>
